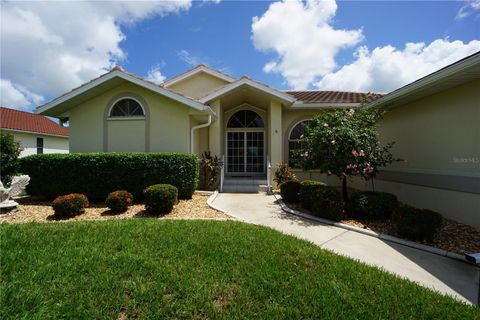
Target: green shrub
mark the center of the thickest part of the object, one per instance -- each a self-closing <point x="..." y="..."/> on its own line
<point x="327" y="203"/>
<point x="307" y="189"/>
<point x="283" y="173"/>
<point x="69" y="205"/>
<point x="97" y="174"/>
<point x="160" y="198"/>
<point x="374" y="205"/>
<point x="119" y="201"/>
<point x="9" y="152"/>
<point x="289" y="191"/>
<point x="416" y="224"/>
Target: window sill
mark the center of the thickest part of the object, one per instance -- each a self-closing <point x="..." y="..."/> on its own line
<point x="125" y="118"/>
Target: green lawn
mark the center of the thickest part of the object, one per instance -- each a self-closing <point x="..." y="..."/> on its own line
<point x="148" y="268"/>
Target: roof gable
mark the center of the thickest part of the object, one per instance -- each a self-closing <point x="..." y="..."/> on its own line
<point x="245" y="81"/>
<point x="201" y="68"/>
<point x="115" y="74"/>
<point x="198" y="85"/>
<point x="11" y="119"/>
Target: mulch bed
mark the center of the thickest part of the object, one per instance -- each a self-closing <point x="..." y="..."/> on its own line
<point x="452" y="236"/>
<point x="31" y="210"/>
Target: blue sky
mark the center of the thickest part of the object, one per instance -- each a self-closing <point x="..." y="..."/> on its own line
<point x="344" y="45"/>
<point x="220" y="35"/>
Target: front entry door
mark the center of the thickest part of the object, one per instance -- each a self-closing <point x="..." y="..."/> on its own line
<point x="245" y="152"/>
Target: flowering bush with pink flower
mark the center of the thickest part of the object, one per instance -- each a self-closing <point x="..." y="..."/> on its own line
<point x="119" y="201"/>
<point x="345" y="143"/>
<point x="69" y="205"/>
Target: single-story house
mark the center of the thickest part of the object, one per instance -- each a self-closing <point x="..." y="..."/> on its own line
<point x="35" y="133"/>
<point x="434" y="121"/>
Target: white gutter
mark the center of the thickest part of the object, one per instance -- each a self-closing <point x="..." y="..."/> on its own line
<point x="203" y="125"/>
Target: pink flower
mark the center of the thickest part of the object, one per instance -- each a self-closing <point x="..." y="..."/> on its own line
<point x="354" y="153"/>
<point x="368" y="169"/>
<point x="361" y="153"/>
<point x="351" y="166"/>
<point x="305" y="154"/>
<point x="333" y="142"/>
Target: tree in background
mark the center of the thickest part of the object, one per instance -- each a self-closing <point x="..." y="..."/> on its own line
<point x="345" y="143"/>
<point x="9" y="152"/>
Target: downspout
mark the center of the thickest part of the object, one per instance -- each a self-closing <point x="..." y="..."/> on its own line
<point x="203" y="125"/>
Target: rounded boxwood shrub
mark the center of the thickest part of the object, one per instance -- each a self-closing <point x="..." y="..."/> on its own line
<point x="119" y="201"/>
<point x="160" y="198"/>
<point x="307" y="189"/>
<point x="289" y="191"/>
<point x="327" y="203"/>
<point x="416" y="224"/>
<point x="374" y="205"/>
<point x="98" y="174"/>
<point x="69" y="205"/>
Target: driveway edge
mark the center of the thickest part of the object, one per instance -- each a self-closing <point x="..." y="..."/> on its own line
<point x="382" y="236"/>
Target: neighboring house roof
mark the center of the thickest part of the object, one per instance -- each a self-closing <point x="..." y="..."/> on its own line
<point x="333" y="96"/>
<point x="16" y="120"/>
<point x="198" y="69"/>
<point x="245" y="81"/>
<point x="118" y="73"/>
<point x="455" y="74"/>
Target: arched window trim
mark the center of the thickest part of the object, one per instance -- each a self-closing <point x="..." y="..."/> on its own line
<point x="294" y="126"/>
<point x="245" y="110"/>
<point x="289" y="140"/>
<point x="110" y="117"/>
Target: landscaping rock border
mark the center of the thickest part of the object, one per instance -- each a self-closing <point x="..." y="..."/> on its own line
<point x="371" y="233"/>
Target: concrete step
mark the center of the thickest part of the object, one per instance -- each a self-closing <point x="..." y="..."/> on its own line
<point x="244" y="181"/>
<point x="240" y="188"/>
<point x="244" y="185"/>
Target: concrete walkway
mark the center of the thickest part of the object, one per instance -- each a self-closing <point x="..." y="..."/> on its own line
<point x="439" y="273"/>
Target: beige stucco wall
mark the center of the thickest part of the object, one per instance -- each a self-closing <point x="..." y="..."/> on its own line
<point x="434" y="132"/>
<point x="198" y="85"/>
<point x="51" y="144"/>
<point x="91" y="132"/>
<point x="439" y="136"/>
<point x="126" y="135"/>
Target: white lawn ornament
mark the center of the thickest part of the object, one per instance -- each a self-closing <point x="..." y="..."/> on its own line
<point x="16" y="187"/>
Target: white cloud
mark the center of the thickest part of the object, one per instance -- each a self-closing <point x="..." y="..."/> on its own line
<point x="48" y="49"/>
<point x="303" y="39"/>
<point x="155" y="75"/>
<point x="191" y="59"/>
<point x="387" y="68"/>
<point x="469" y="8"/>
<point x="17" y="96"/>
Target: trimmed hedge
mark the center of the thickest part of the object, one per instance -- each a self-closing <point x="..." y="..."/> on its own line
<point x="307" y="189"/>
<point x="374" y="205"/>
<point x="160" y="198"/>
<point x="327" y="203"/>
<point x="289" y="191"/>
<point x="416" y="224"/>
<point x="98" y="174"/>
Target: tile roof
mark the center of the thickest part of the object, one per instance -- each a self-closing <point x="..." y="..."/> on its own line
<point x="333" y="96"/>
<point x="26" y="121"/>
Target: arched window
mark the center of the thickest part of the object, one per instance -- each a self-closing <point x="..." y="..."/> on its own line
<point x="245" y="119"/>
<point x="127" y="108"/>
<point x="295" y="142"/>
